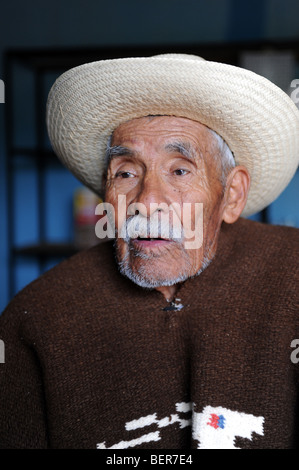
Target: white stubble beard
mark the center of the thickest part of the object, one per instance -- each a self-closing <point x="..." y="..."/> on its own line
<point x="148" y="277"/>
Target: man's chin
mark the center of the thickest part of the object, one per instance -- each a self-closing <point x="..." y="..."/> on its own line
<point x="153" y="278"/>
<point x="150" y="281"/>
<point x="151" y="272"/>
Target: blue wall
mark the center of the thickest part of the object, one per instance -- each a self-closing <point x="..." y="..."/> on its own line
<point x="36" y="24"/>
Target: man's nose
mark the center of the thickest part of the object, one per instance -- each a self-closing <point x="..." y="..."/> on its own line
<point x="151" y="197"/>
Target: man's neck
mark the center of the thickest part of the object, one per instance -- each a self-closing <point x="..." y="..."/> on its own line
<point x="168" y="291"/>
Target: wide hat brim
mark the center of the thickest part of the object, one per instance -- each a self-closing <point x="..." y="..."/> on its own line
<point x="259" y="122"/>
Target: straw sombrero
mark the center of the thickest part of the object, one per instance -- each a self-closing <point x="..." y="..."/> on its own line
<point x="259" y="122"/>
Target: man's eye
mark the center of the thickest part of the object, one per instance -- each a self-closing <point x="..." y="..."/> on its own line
<point x="124" y="174"/>
<point x="180" y="172"/>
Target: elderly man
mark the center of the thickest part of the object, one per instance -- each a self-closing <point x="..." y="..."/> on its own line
<point x="178" y="334"/>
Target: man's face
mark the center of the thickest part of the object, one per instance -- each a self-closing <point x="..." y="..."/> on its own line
<point x="164" y="161"/>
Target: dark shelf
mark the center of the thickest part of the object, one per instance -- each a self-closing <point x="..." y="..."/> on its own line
<point x="39" y="156"/>
<point x="63" y="58"/>
<point x="51" y="250"/>
<point x="48" y="250"/>
<point x="34" y="152"/>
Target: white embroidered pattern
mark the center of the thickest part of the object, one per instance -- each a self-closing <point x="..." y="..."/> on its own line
<point x="148" y="421"/>
<point x="214" y="428"/>
<point x="217" y="428"/>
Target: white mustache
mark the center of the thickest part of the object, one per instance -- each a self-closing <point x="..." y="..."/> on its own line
<point x="153" y="227"/>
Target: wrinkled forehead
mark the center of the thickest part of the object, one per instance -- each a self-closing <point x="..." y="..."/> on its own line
<point x="166" y="131"/>
<point x="157" y="125"/>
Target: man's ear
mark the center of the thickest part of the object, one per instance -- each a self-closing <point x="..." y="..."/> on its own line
<point x="236" y="192"/>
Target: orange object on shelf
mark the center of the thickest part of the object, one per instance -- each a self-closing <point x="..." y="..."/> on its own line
<point x="85" y="219"/>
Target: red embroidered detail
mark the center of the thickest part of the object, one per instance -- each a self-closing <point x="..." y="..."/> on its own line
<point x="214" y="421"/>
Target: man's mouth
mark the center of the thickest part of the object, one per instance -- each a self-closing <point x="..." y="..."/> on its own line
<point x="150" y="242"/>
